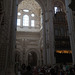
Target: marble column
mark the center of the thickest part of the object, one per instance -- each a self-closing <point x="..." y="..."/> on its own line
<point x="71" y="28"/>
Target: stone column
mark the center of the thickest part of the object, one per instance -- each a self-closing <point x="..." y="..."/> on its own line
<point x="49" y="34"/>
<point x="47" y="38"/>
<point x="12" y="37"/>
<point x="44" y="40"/>
<point x="71" y="28"/>
<point x="5" y="51"/>
<point x="48" y="31"/>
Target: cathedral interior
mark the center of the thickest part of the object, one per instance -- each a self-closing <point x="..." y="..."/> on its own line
<point x="36" y="32"/>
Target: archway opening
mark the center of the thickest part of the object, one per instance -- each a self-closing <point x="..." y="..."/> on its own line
<point x="29" y="29"/>
<point x="32" y="58"/>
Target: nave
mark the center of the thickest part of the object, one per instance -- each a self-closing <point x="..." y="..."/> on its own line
<point x="43" y="30"/>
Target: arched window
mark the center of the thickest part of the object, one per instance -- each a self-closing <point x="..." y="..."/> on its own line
<point x="25" y="20"/>
<point x="32" y="23"/>
<point x="18" y="22"/>
<point x="57" y="9"/>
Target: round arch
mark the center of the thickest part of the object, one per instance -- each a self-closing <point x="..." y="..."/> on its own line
<point x="42" y="5"/>
<point x="39" y="2"/>
<point x="35" y="7"/>
<point x="63" y="6"/>
<point x="37" y="53"/>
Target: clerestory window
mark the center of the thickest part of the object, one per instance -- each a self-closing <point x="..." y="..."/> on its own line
<point x="32" y="23"/>
<point x="18" y="22"/>
<point x="25" y="20"/>
<point x="57" y="9"/>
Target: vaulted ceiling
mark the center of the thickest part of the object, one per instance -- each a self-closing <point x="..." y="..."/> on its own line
<point x="29" y="4"/>
<point x="40" y="2"/>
